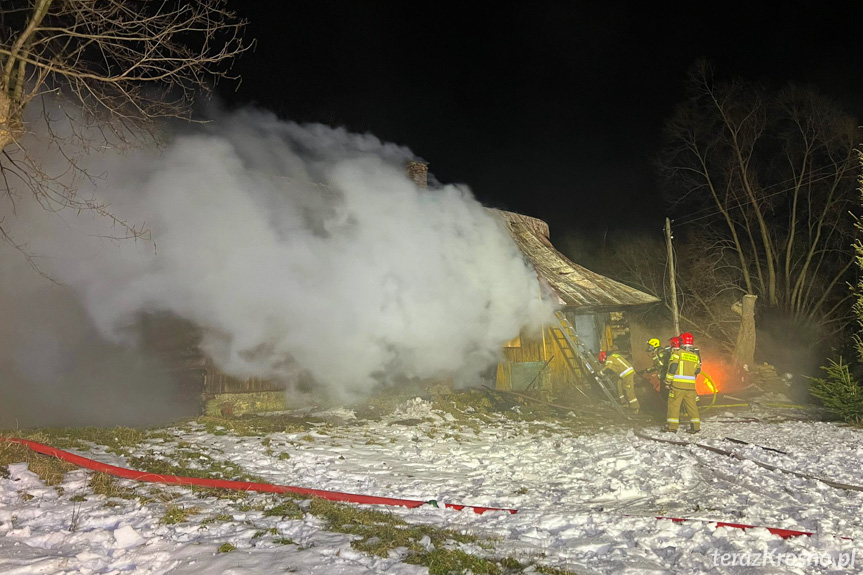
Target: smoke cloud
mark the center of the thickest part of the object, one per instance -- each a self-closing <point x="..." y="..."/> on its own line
<point x="295" y="248"/>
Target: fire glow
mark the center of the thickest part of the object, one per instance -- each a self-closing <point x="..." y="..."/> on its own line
<point x="720" y="373"/>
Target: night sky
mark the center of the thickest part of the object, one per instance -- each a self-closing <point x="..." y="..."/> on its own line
<point x="552" y="109"/>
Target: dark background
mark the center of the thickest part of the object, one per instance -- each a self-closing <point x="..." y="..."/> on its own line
<point x="552" y="109"/>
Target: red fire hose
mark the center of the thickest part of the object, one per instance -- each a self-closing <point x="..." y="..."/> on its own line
<point x="236" y="485"/>
<point x="329" y="495"/>
<point x="784" y="533"/>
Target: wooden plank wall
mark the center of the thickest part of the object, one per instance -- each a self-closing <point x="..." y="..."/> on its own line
<point x="521" y="349"/>
<point x="556" y="377"/>
<point x="176" y="344"/>
<point x="217" y="382"/>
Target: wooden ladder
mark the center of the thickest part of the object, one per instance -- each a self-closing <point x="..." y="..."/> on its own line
<point x="580" y="359"/>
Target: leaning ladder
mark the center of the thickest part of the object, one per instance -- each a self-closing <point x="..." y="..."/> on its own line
<point x="574" y="350"/>
<point x="559" y="333"/>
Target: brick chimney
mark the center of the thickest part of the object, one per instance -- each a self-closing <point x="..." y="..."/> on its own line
<point x="418" y="172"/>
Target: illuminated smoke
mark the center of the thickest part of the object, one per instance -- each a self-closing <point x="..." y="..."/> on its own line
<point x="295" y="249"/>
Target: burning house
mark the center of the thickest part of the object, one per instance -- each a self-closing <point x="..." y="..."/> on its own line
<point x="594" y="310"/>
<point x="560" y="357"/>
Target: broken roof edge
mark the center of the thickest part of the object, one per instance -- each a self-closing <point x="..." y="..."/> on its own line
<point x="575" y="285"/>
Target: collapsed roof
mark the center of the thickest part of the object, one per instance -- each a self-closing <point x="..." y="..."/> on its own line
<point x="575" y="285"/>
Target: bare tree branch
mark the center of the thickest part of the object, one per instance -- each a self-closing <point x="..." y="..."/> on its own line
<point x="123" y="63"/>
<point x="772" y="174"/>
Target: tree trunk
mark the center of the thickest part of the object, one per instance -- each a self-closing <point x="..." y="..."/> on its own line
<point x="6" y="137"/>
<point x="744" y="350"/>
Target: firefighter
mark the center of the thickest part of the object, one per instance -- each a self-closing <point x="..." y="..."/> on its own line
<point x="614" y="364"/>
<point x="684" y="366"/>
<point x="688" y="336"/>
<point x="660" y="357"/>
<point x="673" y="344"/>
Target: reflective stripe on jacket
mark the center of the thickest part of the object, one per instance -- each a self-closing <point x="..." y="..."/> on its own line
<point x="615" y="363"/>
<point x="660" y="359"/>
<point x="683" y="368"/>
<point x="660" y="362"/>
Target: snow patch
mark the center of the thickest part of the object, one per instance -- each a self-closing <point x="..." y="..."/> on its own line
<point x="126" y="537"/>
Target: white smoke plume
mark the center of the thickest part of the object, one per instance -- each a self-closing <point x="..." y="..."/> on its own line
<point x="293" y="247"/>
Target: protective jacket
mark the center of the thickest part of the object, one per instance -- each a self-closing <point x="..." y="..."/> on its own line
<point x="615" y="364"/>
<point x="660" y="362"/>
<point x="684" y="365"/>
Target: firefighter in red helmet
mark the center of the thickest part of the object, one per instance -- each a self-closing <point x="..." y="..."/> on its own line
<point x="673" y="345"/>
<point x="615" y="365"/>
<point x="684" y="365"/>
<point x="686" y="339"/>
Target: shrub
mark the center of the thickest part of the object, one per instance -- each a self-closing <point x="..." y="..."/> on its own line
<point x="840" y="393"/>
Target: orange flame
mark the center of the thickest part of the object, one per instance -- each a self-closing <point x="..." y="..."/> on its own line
<point x="721" y="374"/>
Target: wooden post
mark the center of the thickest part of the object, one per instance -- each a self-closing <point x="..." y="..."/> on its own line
<point x="671" y="277"/>
<point x="744" y="350"/>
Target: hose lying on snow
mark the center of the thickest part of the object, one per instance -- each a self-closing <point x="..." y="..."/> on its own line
<point x="784" y="533"/>
<point x="829" y="482"/>
<point x="329" y="495"/>
<point x="740" y="442"/>
<point x="236" y="485"/>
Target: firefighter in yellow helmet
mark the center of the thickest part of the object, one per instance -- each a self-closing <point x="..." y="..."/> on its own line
<point x="624" y="373"/>
<point x="684" y="366"/>
<point x="660" y="357"/>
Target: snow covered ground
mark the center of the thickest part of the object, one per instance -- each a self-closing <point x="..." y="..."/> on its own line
<point x="587" y="500"/>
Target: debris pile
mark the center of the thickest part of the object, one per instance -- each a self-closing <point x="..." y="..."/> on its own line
<point x="766" y="378"/>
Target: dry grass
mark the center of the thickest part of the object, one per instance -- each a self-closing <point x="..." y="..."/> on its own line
<point x="178" y="514"/>
<point x="109" y="486"/>
<point x="379" y="532"/>
<point x="117" y="439"/>
<point x="204" y="467"/>
<point x="49" y="469"/>
<point x="257" y="425"/>
<point x="287" y="509"/>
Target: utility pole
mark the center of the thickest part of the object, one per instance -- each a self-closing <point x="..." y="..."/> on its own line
<point x="671" y="277"/>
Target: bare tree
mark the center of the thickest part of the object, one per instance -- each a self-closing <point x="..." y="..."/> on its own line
<point x="708" y="284"/>
<point x="123" y="64"/>
<point x="769" y="180"/>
